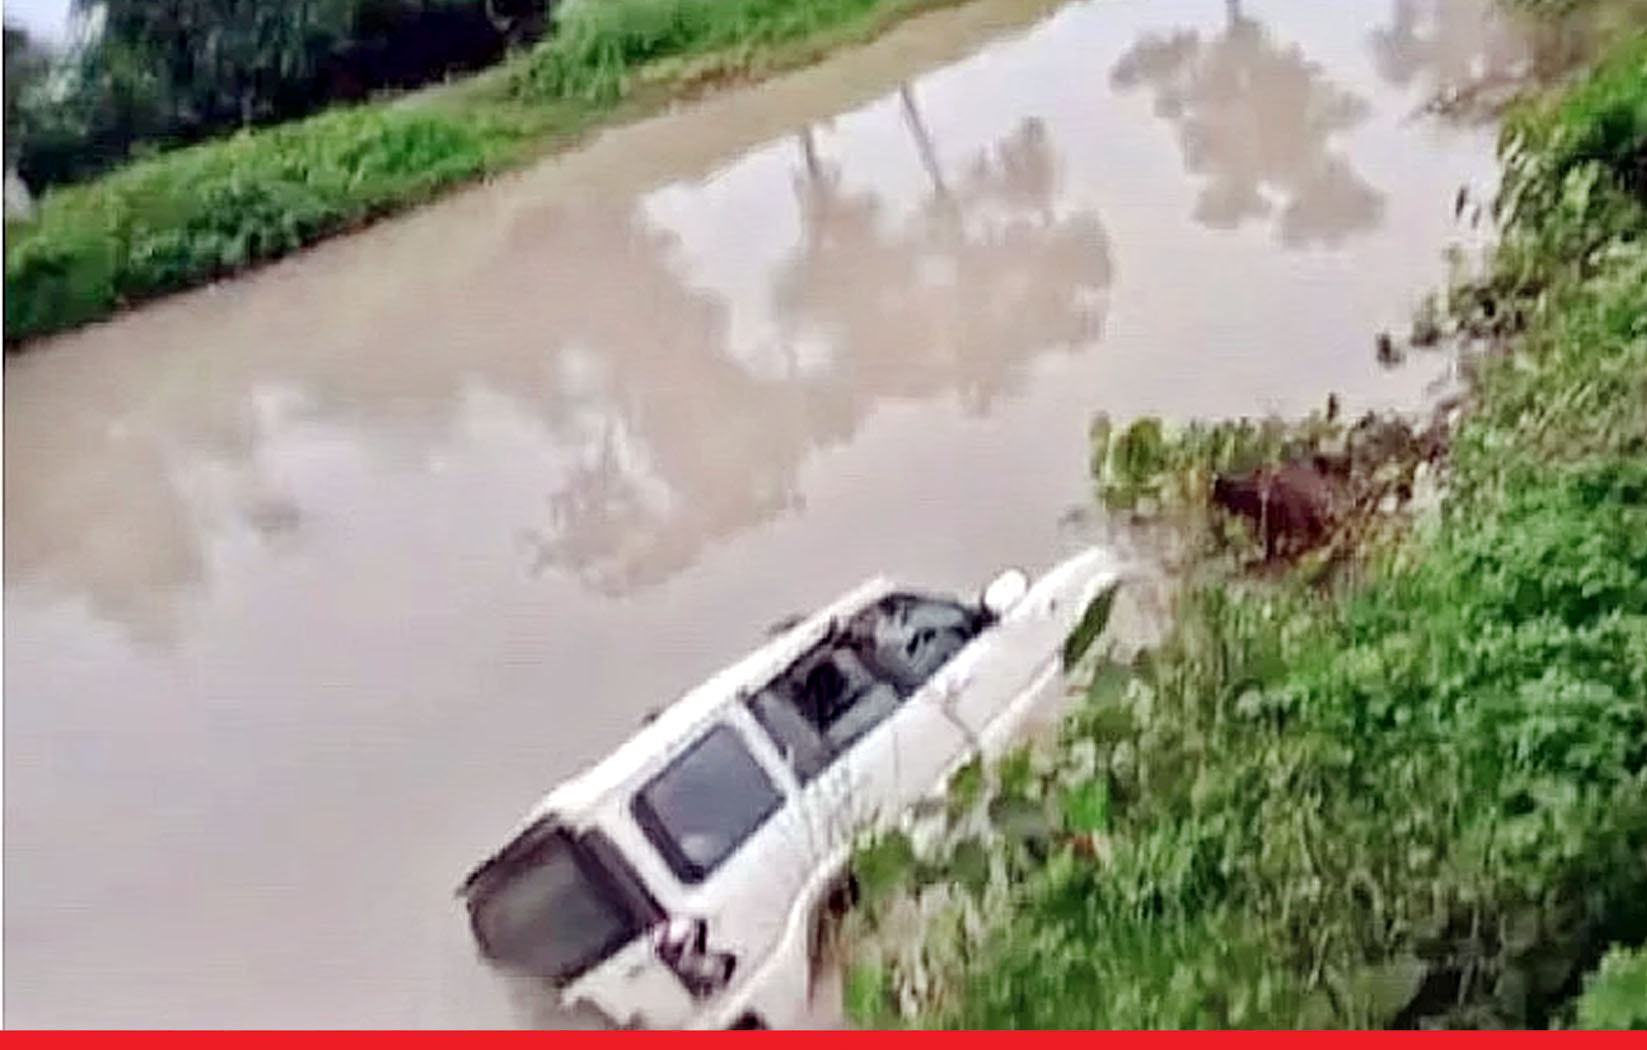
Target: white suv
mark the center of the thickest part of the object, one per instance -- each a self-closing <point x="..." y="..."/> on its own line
<point x="678" y="882"/>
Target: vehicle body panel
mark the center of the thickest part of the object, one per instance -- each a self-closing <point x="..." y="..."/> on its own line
<point x="761" y="901"/>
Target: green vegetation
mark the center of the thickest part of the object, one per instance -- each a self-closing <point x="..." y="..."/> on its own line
<point x="154" y="75"/>
<point x="195" y="214"/>
<point x="601" y="51"/>
<point x="191" y="215"/>
<point x="1418" y="797"/>
<point x="1615" y="996"/>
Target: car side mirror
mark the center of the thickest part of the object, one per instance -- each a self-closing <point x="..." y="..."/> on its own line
<point x="1004" y="592"/>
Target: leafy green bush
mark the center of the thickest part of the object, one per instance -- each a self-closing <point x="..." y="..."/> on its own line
<point x="1597" y="130"/>
<point x="160" y="75"/>
<point x="1418" y="801"/>
<point x="598" y="44"/>
<point x="1615" y="995"/>
<point x="193" y="215"/>
<point x="1574" y="179"/>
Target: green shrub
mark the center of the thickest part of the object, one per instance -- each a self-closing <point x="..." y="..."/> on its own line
<point x="1596" y="131"/>
<point x="1615" y="995"/>
<point x="598" y="44"/>
<point x="193" y="215"/>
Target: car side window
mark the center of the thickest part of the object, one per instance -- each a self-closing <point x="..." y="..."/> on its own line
<point x="797" y="740"/>
<point x="846" y="699"/>
<point x="823" y="704"/>
<point x="706" y="803"/>
<point x="908" y="638"/>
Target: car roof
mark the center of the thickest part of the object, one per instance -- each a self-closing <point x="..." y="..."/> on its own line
<point x="679" y="723"/>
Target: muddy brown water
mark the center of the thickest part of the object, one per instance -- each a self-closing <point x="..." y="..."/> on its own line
<point x="314" y="581"/>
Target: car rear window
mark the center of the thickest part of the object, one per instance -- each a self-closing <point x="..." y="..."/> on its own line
<point x="551" y="912"/>
<point x="700" y="809"/>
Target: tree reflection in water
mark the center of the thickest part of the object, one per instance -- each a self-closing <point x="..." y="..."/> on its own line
<point x="580" y="333"/>
<point x="985" y="274"/>
<point x="1470" y="57"/>
<point x="1257" y="120"/>
<point x="960" y="297"/>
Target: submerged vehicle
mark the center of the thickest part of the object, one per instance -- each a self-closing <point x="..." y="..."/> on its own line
<point x="679" y="882"/>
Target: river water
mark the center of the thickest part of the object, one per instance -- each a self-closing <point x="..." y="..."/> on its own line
<point x="316" y="579"/>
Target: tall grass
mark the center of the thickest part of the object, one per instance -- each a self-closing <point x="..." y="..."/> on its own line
<point x="1418" y="801"/>
<point x="600" y="44"/>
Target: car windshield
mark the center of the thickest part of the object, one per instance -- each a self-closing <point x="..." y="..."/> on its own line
<point x="550" y="912"/>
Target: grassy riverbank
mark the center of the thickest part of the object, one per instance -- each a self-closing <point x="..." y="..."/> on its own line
<point x="190" y="216"/>
<point x="1414" y="796"/>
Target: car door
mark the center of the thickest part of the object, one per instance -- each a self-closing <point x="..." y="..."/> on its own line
<point x="930" y="645"/>
<point x="994" y="672"/>
<point x="931" y="739"/>
<point x="830" y="718"/>
<point x="1017" y="664"/>
<point x="632" y="988"/>
<point x="727" y="832"/>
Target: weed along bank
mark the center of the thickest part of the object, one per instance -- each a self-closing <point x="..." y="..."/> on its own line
<point x="1389" y="768"/>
